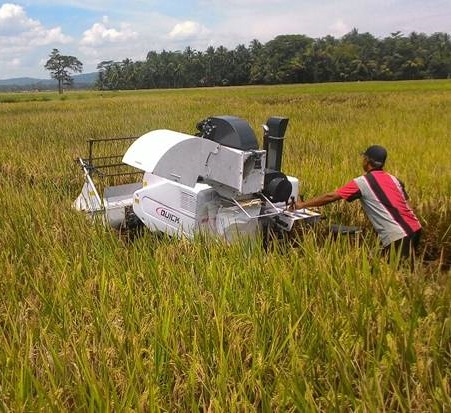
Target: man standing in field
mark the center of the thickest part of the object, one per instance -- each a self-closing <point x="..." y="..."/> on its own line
<point x="384" y="200"/>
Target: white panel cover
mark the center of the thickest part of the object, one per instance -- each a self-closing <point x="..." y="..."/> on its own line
<point x="171" y="155"/>
<point x="184" y="158"/>
<point x="147" y="150"/>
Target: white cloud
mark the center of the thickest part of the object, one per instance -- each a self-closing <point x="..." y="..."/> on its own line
<point x="18" y="28"/>
<point x="100" y="34"/>
<point x="14" y="64"/>
<point x="254" y="4"/>
<point x="21" y="37"/>
<point x="43" y="37"/>
<point x="339" y="28"/>
<point x="13" y="19"/>
<point x="188" y="30"/>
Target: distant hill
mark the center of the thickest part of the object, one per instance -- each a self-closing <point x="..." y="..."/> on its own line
<point x="83" y="81"/>
<point x="89" y="78"/>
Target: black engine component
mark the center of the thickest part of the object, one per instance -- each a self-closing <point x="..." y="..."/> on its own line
<point x="273" y="141"/>
<point x="277" y="187"/>
<point x="229" y="131"/>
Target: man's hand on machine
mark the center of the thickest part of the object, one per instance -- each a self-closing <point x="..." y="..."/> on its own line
<point x="321" y="200"/>
<point x="295" y="204"/>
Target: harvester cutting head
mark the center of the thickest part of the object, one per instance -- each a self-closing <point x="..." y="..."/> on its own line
<point x="217" y="181"/>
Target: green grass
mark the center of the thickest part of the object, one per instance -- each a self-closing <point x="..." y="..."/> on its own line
<point x="93" y="321"/>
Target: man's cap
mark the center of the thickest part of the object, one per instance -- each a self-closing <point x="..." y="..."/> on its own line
<point x="376" y="154"/>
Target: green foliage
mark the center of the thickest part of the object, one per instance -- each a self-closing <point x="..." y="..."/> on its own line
<point x="288" y="59"/>
<point x="59" y="66"/>
<point x="94" y="321"/>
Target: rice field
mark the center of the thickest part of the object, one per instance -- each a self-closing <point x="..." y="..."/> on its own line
<point x="91" y="320"/>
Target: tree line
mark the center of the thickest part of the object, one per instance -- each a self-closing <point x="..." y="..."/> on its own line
<point x="287" y="59"/>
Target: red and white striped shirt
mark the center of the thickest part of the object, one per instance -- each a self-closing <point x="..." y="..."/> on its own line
<point x="385" y="202"/>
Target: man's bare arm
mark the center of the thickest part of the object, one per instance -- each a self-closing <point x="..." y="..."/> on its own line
<point x="318" y="201"/>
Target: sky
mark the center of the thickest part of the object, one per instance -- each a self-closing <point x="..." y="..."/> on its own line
<point x="98" y="30"/>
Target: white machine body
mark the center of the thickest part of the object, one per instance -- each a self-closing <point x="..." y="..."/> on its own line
<point x="184" y="158"/>
<point x="177" y="209"/>
<point x="192" y="184"/>
<point x="174" y="208"/>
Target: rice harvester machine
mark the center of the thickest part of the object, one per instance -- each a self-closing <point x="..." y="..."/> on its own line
<point x="216" y="181"/>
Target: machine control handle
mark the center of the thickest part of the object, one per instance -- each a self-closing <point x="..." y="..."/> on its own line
<point x="291" y="205"/>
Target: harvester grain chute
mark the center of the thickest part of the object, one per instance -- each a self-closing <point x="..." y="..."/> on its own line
<point x="217" y="181"/>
